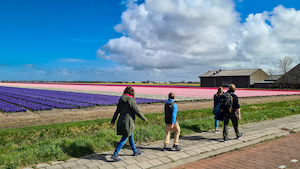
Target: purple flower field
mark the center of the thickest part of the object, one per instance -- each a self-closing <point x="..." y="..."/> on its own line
<point x="13" y="99"/>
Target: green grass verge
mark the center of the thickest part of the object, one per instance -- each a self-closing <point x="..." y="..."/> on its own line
<point x="31" y="145"/>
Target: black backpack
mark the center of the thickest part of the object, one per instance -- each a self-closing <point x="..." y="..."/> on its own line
<point x="226" y="103"/>
<point x="168" y="113"/>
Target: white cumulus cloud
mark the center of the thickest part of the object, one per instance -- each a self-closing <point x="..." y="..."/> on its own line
<point x="196" y="35"/>
<point x="286" y="23"/>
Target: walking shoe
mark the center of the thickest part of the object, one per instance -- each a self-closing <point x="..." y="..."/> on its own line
<point x="137" y="153"/>
<point x="217" y="131"/>
<point x="241" y="135"/>
<point x="166" y="149"/>
<point x="229" y="129"/>
<point x="225" y="141"/>
<point x="115" y="158"/>
<point x="176" y="148"/>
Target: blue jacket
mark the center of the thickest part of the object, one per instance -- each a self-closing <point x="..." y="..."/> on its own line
<point x="174" y="112"/>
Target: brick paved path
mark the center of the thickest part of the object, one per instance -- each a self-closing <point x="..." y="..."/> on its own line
<point x="278" y="153"/>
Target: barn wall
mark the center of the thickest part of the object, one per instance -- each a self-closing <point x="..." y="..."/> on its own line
<point x="258" y="76"/>
<point x="207" y="82"/>
<point x="241" y="82"/>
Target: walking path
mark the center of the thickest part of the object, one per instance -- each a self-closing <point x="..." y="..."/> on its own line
<point x="279" y="153"/>
<point x="194" y="147"/>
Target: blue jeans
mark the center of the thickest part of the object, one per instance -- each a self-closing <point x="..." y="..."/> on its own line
<point x="122" y="143"/>
<point x="216" y="123"/>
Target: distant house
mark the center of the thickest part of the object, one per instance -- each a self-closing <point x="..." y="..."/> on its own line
<point x="291" y="79"/>
<point x="242" y="78"/>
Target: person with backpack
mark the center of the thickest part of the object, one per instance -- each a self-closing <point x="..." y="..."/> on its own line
<point x="217" y="102"/>
<point x="231" y="108"/>
<point x="219" y="116"/>
<point x="171" y="123"/>
<point x="127" y="109"/>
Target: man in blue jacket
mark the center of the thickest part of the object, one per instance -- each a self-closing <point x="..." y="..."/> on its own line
<point x="171" y="123"/>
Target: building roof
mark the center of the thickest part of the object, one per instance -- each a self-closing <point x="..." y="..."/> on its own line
<point x="293" y="74"/>
<point x="238" y="72"/>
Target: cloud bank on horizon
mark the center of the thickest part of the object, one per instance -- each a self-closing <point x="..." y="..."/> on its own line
<point x="188" y="37"/>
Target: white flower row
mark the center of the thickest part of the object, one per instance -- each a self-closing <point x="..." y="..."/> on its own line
<point x="139" y="95"/>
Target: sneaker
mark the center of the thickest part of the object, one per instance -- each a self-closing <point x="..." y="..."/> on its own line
<point x="137" y="153"/>
<point x="225" y="141"/>
<point x="241" y="135"/>
<point x="166" y="148"/>
<point x="115" y="158"/>
<point x="229" y="129"/>
<point x="175" y="148"/>
<point x="217" y="131"/>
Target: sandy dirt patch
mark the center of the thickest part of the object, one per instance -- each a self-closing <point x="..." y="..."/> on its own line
<point x="14" y="120"/>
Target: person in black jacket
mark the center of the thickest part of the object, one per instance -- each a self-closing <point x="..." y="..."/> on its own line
<point x="217" y="100"/>
<point x="234" y="115"/>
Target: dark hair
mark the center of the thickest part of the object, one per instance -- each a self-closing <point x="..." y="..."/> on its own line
<point x="129" y="90"/>
<point x="171" y="95"/>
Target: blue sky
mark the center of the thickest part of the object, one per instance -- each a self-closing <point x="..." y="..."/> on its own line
<point x="129" y="40"/>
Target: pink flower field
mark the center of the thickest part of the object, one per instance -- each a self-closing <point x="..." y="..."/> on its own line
<point x="206" y="93"/>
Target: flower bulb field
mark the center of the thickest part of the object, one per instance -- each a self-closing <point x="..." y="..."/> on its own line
<point x="16" y="97"/>
<point x="27" y="104"/>
<point x="19" y="99"/>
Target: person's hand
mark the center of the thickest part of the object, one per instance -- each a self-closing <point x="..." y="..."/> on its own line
<point x="145" y="120"/>
<point x="112" y="124"/>
<point x="172" y="125"/>
<point x="238" y="111"/>
<point x="239" y="117"/>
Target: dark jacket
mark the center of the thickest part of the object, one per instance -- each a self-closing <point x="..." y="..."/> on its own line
<point x="220" y="115"/>
<point x="217" y="100"/>
<point x="127" y="108"/>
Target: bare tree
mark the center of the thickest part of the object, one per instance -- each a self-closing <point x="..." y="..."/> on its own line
<point x="284" y="66"/>
<point x="272" y="74"/>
